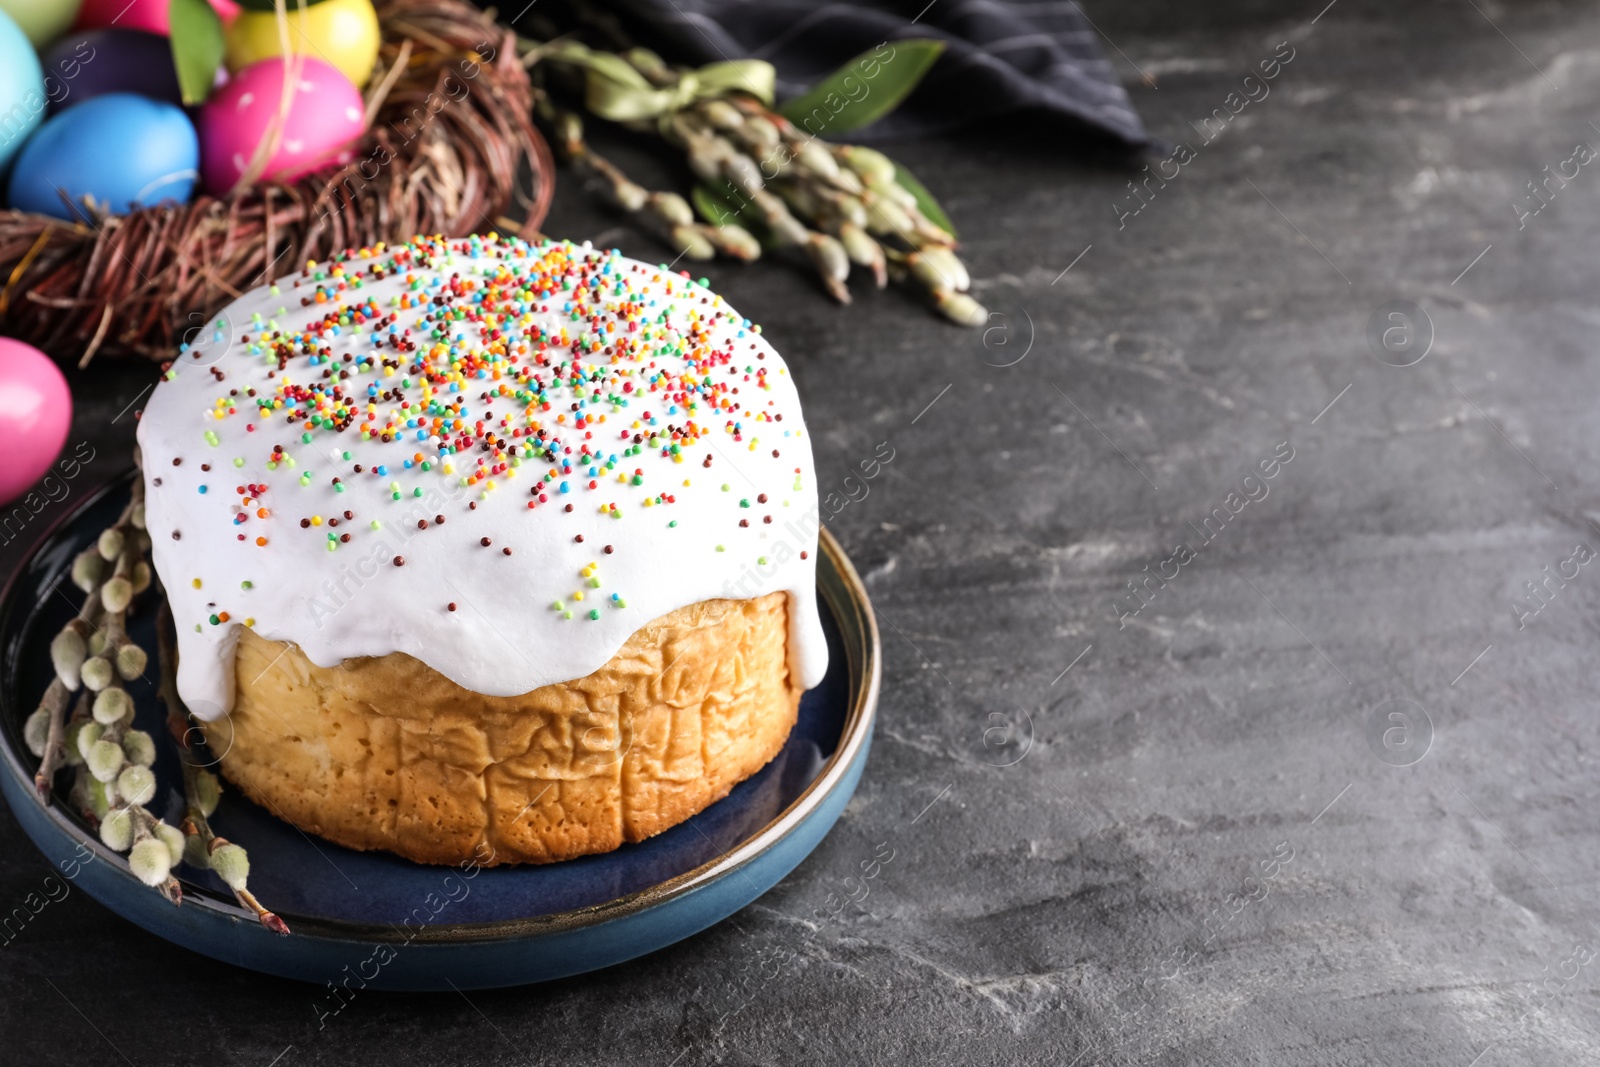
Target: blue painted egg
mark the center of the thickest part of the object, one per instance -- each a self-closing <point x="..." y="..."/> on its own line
<point x="123" y="150"/>
<point x="91" y="63"/>
<point x="22" y="99"/>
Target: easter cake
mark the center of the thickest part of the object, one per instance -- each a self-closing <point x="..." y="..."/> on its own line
<point x="485" y="549"/>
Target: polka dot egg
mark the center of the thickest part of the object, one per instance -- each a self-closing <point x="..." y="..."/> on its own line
<point x="324" y="120"/>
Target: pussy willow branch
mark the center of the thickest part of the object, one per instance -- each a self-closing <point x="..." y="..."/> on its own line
<point x="666" y="214"/>
<point x="92" y="656"/>
<point x="838" y="206"/>
<point x="55" y="705"/>
<point x="195" y="821"/>
<point x="59" y="693"/>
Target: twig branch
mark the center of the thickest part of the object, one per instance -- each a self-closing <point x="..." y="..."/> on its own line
<point x="195" y="822"/>
<point x="55" y="705"/>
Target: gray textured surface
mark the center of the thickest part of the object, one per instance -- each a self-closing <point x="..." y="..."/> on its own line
<point x="1055" y="910"/>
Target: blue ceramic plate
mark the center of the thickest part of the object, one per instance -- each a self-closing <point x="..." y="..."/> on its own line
<point x="374" y="920"/>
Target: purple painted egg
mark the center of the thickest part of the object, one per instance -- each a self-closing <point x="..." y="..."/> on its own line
<point x="324" y="120"/>
<point x="92" y="63"/>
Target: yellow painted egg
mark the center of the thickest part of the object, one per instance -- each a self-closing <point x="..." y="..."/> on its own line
<point x="343" y="33"/>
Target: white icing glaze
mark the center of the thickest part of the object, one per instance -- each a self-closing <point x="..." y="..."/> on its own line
<point x="504" y="637"/>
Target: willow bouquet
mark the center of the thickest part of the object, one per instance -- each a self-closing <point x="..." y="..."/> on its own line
<point x="113" y="781"/>
<point x="764" y="179"/>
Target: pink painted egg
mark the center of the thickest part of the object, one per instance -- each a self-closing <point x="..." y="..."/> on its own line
<point x="35" y="413"/>
<point x="147" y="15"/>
<point x="324" y="121"/>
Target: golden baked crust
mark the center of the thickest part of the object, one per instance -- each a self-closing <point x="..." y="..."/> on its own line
<point x="386" y="753"/>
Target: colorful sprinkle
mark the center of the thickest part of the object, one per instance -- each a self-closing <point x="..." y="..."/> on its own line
<point x="547" y="370"/>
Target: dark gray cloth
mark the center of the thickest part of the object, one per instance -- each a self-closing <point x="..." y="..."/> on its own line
<point x="1000" y="56"/>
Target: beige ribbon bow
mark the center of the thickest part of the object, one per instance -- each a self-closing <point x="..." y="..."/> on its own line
<point x="615" y="90"/>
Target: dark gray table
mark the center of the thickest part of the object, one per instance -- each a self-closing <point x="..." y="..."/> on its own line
<point x="1194" y="834"/>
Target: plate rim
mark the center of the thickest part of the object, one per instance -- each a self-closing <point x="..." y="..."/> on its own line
<point x="847" y="598"/>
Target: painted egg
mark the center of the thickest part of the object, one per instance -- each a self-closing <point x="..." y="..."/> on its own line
<point x="341" y="32"/>
<point x="324" y="121"/>
<point x="42" y="20"/>
<point x="91" y="63"/>
<point x="35" y="413"/>
<point x="147" y="15"/>
<point x="121" y="149"/>
<point x="22" y="95"/>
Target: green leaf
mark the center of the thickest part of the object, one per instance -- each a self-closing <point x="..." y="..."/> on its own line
<point x="197" y="47"/>
<point x="925" y="202"/>
<point x="710" y="206"/>
<point x="865" y="89"/>
<point x="719" y="208"/>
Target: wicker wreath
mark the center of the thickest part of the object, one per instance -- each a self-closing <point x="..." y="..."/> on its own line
<point x="450" y="148"/>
